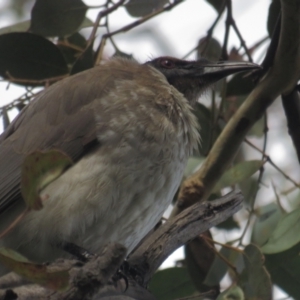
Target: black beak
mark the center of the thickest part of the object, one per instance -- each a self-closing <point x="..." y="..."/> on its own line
<point x="214" y="71"/>
<point x="191" y="78"/>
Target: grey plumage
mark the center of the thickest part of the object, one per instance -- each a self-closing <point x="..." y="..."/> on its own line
<point x="129" y="129"/>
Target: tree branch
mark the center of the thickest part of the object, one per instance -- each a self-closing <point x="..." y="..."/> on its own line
<point x="96" y="278"/>
<point x="280" y="79"/>
<point x="177" y="232"/>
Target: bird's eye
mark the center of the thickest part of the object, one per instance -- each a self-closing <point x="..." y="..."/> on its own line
<point x="167" y="63"/>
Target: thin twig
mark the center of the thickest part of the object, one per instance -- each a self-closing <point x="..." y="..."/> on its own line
<point x="243" y="43"/>
<point x="223" y="258"/>
<point x="270" y="161"/>
<point x="142" y="20"/>
<point x="102" y="14"/>
<point x="45" y="81"/>
<point x="224" y="54"/>
<point x="259" y="180"/>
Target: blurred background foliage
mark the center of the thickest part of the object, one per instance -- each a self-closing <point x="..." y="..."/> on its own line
<point x="245" y="256"/>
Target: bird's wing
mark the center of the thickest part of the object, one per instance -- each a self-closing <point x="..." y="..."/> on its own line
<point x="62" y="117"/>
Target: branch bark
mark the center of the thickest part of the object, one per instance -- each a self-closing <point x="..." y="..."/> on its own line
<point x="96" y="279"/>
<point x="178" y="231"/>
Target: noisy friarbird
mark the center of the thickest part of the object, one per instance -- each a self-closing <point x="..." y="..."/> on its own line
<point x="129" y="128"/>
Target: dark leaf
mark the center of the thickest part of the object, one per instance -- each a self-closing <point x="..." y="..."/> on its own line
<point x="207" y="130"/>
<point x="232" y="293"/>
<point x="28" y="56"/>
<point x="72" y="47"/>
<point x="274" y="11"/>
<point x="267" y="217"/>
<point x="38" y="170"/>
<point x="284" y="269"/>
<point x="219" y="267"/>
<point x="239" y="85"/>
<point x="57" y="17"/>
<point x="229" y="224"/>
<point x="20" y="106"/>
<point x="232" y="104"/>
<point x="209" y="48"/>
<point x="258" y="129"/>
<point x="172" y="283"/>
<point x="199" y="257"/>
<point x="24" y="26"/>
<point x="254" y="279"/>
<point x="140" y="8"/>
<point x="216" y="4"/>
<point x="85" y="61"/>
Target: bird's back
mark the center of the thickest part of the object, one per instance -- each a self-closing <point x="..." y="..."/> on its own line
<point x="129" y="133"/>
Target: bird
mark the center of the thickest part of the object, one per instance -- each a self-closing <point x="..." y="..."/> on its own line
<point x="129" y="128"/>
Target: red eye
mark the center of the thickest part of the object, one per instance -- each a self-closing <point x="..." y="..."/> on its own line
<point x="167" y="63"/>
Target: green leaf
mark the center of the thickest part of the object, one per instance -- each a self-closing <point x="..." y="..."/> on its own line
<point x="140" y="8"/>
<point x="249" y="188"/>
<point x="199" y="256"/>
<point x="38" y="170"/>
<point x="6" y="253"/>
<point x="255" y="280"/>
<point x="284" y="268"/>
<point x="233" y="293"/>
<point x="207" y="129"/>
<point x="172" y="283"/>
<point x="34" y="272"/>
<point x="238" y="173"/>
<point x="267" y="217"/>
<point x="285" y="235"/>
<point x="57" y="17"/>
<point x="258" y="128"/>
<point x="219" y="267"/>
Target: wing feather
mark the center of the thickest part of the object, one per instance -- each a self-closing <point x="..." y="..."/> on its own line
<point x="62" y="117"/>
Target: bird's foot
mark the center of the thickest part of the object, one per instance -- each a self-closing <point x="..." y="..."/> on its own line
<point x="130" y="272"/>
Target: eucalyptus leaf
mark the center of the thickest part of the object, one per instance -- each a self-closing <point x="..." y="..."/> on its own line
<point x="172" y="283"/>
<point x="267" y="217"/>
<point x="238" y="173"/>
<point x="285" y="235"/>
<point x="36" y="273"/>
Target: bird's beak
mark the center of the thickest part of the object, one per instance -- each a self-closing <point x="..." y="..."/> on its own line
<point x="214" y="71"/>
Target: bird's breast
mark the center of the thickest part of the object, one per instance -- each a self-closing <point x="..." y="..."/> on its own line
<point x="119" y="191"/>
<point x="115" y="194"/>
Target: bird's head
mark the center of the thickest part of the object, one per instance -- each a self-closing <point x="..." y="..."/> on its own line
<point x="191" y="78"/>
